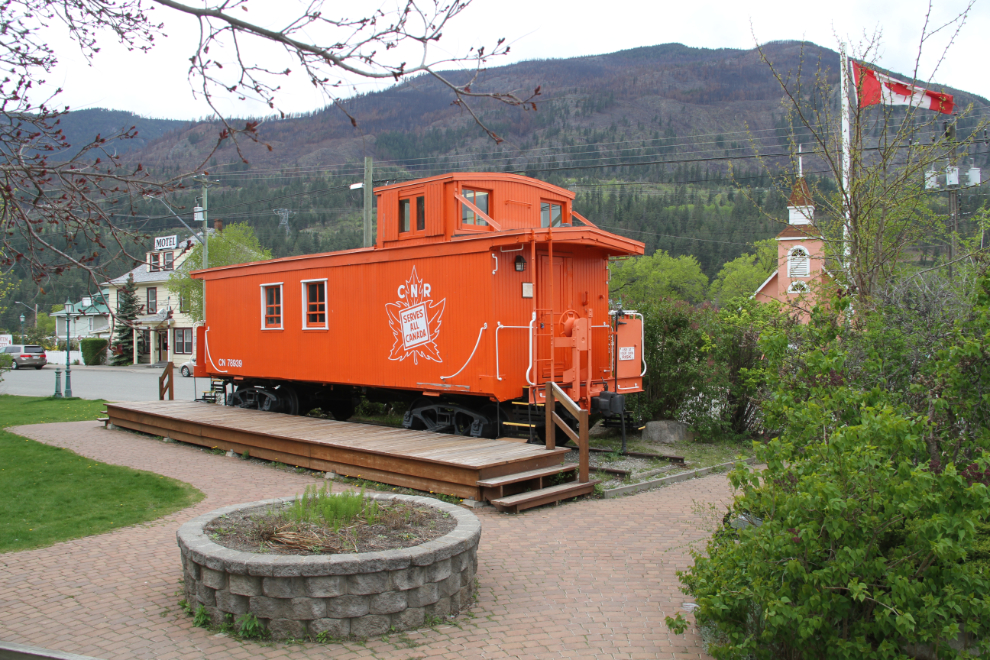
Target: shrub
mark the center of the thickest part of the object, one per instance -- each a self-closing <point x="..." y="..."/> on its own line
<point x="874" y="505"/>
<point x="703" y="363"/>
<point x="94" y="350"/>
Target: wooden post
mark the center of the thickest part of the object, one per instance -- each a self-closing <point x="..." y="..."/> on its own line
<point x="580" y="438"/>
<point x="165" y="382"/>
<point x="584" y="461"/>
<point x="549" y="406"/>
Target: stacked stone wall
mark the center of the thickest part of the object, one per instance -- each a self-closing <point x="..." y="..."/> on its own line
<point x="346" y="595"/>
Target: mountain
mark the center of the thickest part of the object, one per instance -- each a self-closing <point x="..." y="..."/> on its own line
<point x="669" y="91"/>
<point x="82" y="126"/>
<point x="643" y="137"/>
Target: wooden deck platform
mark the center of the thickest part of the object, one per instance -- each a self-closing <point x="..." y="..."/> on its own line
<point x="413" y="459"/>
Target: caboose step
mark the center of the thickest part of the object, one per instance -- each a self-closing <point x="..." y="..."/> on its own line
<point x="516" y="503"/>
<point x="494" y="482"/>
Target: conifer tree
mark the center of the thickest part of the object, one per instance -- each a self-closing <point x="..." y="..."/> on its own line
<point x="127" y="312"/>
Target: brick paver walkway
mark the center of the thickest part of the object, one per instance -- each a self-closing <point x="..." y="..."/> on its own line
<point x="592" y="579"/>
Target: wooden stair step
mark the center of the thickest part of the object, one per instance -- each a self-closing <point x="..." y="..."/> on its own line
<point x="544" y="496"/>
<point x="495" y="482"/>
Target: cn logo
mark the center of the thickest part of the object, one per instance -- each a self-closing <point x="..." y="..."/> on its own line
<point x="415" y="321"/>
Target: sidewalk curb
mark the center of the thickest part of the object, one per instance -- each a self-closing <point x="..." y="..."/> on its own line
<point x="14" y="651"/>
<point x="673" y="479"/>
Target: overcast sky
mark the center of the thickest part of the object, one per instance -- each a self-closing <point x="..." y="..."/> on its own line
<point x="156" y="85"/>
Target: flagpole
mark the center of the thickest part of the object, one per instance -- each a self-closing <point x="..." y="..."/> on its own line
<point x="846" y="150"/>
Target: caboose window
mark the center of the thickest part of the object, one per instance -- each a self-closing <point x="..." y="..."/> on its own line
<point x="480" y="199"/>
<point x="405" y="210"/>
<point x="271" y="302"/>
<point x="550" y="214"/>
<point x="315" y="297"/>
<point x="412" y="214"/>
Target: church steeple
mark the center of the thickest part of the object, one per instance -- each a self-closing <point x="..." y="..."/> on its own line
<point x="800" y="207"/>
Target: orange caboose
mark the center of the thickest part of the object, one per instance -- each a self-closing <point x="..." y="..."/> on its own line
<point x="480" y="288"/>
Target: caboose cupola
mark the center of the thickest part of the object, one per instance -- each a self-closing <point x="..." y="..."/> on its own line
<point x="463" y="204"/>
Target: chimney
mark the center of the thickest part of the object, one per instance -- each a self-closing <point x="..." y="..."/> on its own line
<point x="218" y="226"/>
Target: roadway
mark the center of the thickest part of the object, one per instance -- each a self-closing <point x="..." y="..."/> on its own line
<point x="98" y="382"/>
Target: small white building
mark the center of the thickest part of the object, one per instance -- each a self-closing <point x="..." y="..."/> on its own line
<point x="163" y="328"/>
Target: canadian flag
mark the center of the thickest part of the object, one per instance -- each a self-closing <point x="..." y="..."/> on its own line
<point x="874" y="87"/>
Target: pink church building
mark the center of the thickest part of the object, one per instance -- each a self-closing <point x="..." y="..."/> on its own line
<point x="800" y="270"/>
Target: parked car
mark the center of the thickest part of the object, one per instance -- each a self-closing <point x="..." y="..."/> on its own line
<point x="26" y="355"/>
<point x="187" y="369"/>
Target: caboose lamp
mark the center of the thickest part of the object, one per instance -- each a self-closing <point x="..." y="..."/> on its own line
<point x="520" y="264"/>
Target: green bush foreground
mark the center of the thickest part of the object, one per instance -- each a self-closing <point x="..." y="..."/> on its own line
<point x="865" y="536"/>
<point x="50" y="494"/>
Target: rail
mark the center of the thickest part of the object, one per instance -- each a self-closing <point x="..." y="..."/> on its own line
<point x="554" y="395"/>
<point x="498" y="375"/>
<point x="470" y="357"/>
<point x="166" y="382"/>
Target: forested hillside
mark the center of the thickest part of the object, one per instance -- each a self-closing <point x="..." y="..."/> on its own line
<point x="659" y="144"/>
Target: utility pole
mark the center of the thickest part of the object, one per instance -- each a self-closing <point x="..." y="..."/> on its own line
<point x="204" y="212"/>
<point x="367" y="201"/>
<point x="952" y="183"/>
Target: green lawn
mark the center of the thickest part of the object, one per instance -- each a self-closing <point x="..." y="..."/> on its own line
<point x="49" y="494"/>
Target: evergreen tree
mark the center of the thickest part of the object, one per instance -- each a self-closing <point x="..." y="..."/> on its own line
<point x="127" y="312"/>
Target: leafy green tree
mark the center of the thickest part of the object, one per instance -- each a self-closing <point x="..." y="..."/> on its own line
<point x="743" y="275"/>
<point x="128" y="307"/>
<point x="236" y="244"/>
<point x="642" y="279"/>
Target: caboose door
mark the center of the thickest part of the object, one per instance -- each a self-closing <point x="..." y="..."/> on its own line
<point x="548" y="311"/>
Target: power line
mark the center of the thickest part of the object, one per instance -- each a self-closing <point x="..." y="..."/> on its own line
<point x="687" y="238"/>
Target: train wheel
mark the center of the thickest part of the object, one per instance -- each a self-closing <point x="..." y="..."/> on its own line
<point x="288" y="400"/>
<point x="341" y="410"/>
<point x="268" y="401"/>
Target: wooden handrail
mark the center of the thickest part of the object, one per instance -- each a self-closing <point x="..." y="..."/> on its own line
<point x="165" y="382"/>
<point x="553" y="395"/>
<point x="561" y="396"/>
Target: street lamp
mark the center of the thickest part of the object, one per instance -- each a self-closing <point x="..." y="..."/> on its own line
<point x="68" y="368"/>
<point x="22" y="328"/>
<point x="33" y="309"/>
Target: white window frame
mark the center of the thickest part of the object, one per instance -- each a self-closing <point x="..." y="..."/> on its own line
<point x="281" y="297"/>
<point x="790" y="262"/>
<point x="147" y="300"/>
<point x="178" y="347"/>
<point x="798" y="286"/>
<point x="305" y="305"/>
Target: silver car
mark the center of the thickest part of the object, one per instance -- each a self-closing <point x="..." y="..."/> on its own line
<point x="26" y="355"/>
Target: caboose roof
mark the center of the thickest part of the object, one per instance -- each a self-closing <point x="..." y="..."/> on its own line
<point x="479" y="176"/>
<point x="612" y="244"/>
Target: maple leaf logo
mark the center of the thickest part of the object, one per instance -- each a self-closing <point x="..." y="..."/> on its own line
<point x="415" y="321"/>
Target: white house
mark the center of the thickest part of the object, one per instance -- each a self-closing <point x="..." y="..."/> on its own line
<point x="163" y="328"/>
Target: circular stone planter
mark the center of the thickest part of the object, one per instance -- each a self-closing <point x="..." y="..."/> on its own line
<point x="344" y="595"/>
